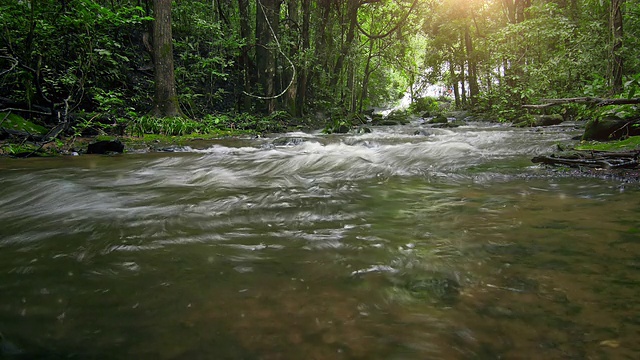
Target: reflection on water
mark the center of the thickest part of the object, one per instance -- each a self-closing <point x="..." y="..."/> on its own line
<point x="384" y="246"/>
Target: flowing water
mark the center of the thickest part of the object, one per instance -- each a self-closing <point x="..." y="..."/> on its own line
<point x="388" y="245"/>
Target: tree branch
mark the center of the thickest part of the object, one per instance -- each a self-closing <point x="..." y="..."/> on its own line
<point x="396" y="27"/>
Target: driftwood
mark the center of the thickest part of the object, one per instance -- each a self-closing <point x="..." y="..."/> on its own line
<point x="593" y="159"/>
<point x="582" y="100"/>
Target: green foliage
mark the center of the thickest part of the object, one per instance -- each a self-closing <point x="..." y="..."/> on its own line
<point x="205" y="51"/>
<point x="181" y="126"/>
<point x="17" y="122"/>
<point x="275" y="122"/>
<point x="90" y="59"/>
<point x="337" y="126"/>
<point x="67" y="51"/>
<point x="630" y="143"/>
<point x="424" y="104"/>
<point x="597" y="87"/>
<point x="170" y="126"/>
<point x="12" y="149"/>
<point x="631" y="86"/>
<point x="623" y="112"/>
<point x="499" y="103"/>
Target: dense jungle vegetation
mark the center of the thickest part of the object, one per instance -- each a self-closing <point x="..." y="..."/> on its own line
<point x="135" y="67"/>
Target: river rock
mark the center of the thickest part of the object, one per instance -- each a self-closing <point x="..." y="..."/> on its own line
<point x="288" y="141"/>
<point x="105" y="146"/>
<point x="439" y="289"/>
<point x="439" y="119"/>
<point x="397" y="117"/>
<point x="612" y="128"/>
<point x="422" y="132"/>
<point x="548" y="120"/>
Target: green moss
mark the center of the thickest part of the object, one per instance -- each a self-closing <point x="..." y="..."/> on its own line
<point x="630" y="143"/>
<point x="17" y="122"/>
<point x="184" y="139"/>
<point x="104" y="138"/>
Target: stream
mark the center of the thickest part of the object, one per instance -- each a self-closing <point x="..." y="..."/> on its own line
<point x="449" y="244"/>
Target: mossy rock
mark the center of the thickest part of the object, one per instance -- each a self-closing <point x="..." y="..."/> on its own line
<point x="398" y="117"/>
<point x="17" y="122"/>
<point x="611" y="128"/>
<point x="439" y="119"/>
<point x="548" y="120"/>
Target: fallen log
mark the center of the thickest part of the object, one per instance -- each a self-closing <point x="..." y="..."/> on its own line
<point x="593" y="159"/>
<point x="582" y="100"/>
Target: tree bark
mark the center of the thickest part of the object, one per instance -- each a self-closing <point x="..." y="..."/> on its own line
<point x="166" y="97"/>
<point x="301" y="94"/>
<point x="472" y="67"/>
<point x="455" y="83"/>
<point x="352" y="18"/>
<point x="244" y="63"/>
<point x="616" y="46"/>
<point x="293" y="27"/>
<point x="267" y="23"/>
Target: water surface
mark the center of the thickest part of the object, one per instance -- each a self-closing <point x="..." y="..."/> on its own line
<point x="379" y="246"/>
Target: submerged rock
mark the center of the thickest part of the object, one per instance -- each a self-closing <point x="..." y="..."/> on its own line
<point x="422" y="132"/>
<point x="441" y="289"/>
<point x="288" y="141"/>
<point x="435" y="287"/>
<point x="8" y="349"/>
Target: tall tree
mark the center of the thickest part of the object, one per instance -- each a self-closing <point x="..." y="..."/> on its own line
<point x="267" y="24"/>
<point x="616" y="46"/>
<point x="166" y="97"/>
<point x="301" y="94"/>
<point x="244" y="63"/>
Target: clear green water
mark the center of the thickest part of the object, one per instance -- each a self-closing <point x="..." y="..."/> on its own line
<point x="386" y="246"/>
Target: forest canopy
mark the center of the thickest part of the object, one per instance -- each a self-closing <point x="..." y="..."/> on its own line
<point x="96" y="64"/>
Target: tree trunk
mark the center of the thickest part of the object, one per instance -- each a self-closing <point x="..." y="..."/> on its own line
<point x="616" y="46"/>
<point x="352" y="18"/>
<point x="367" y="75"/>
<point x="166" y="97"/>
<point x="301" y="94"/>
<point x="454" y="81"/>
<point x="267" y="21"/>
<point x="245" y="65"/>
<point x="471" y="66"/>
<point x="292" y="93"/>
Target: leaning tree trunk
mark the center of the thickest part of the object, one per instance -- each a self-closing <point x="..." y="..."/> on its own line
<point x="166" y="97"/>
